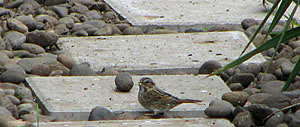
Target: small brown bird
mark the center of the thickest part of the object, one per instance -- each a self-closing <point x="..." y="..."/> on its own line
<point x="157" y="100"/>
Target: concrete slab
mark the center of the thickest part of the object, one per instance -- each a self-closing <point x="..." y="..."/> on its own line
<point x="186" y="14"/>
<point x="158" y="54"/>
<point x="72" y="98"/>
<point x="183" y="122"/>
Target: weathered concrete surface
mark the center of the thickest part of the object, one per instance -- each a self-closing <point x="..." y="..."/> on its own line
<point x="72" y="98"/>
<point x="183" y="122"/>
<point x="144" y="54"/>
<point x="186" y="14"/>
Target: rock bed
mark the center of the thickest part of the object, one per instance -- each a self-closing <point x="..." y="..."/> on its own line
<point x="29" y="31"/>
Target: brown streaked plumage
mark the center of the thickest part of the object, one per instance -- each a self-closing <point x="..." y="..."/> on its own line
<point x="157" y="100"/>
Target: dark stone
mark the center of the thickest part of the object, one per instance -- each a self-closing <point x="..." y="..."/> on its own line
<point x="246" y="23"/>
<point x="82" y="69"/>
<point x="271" y="100"/>
<point x="209" y="67"/>
<point x="244" y="78"/>
<point x="14" y="39"/>
<point x="244" y="119"/>
<point x="101" y="113"/>
<point x="219" y="109"/>
<point x="259" y="112"/>
<point x="237" y="98"/>
<point x="124" y="82"/>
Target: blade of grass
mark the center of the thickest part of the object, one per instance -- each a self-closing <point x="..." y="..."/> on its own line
<point x="263" y="47"/>
<point x="261" y="25"/>
<point x="282" y="34"/>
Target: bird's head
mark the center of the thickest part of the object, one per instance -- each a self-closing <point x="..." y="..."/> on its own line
<point x="146" y="83"/>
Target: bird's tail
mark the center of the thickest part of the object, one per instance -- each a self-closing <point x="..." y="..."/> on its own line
<point x="189" y="101"/>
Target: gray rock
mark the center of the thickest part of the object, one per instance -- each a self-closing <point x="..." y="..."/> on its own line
<point x="14" y="100"/>
<point x="224" y="76"/>
<point x="8" y="91"/>
<point x="292" y="120"/>
<point x="219" y="109"/>
<point x="277" y="29"/>
<point x="83" y="26"/>
<point x="244" y="119"/>
<point x="4" y="59"/>
<point x="297" y="114"/>
<point x="68" y="21"/>
<point x="80" y="33"/>
<point x="25" y="9"/>
<point x="254" y="68"/>
<point x="275" y="120"/>
<point x="271" y="100"/>
<point x="237" y="98"/>
<point x="54" y="2"/>
<point x="133" y="31"/>
<point x="14" y="24"/>
<point x="218" y="27"/>
<point x="105" y="31"/>
<point x="5" y="120"/>
<point x="66" y="60"/>
<point x="78" y="8"/>
<point x="110" y="17"/>
<point x="33" y="48"/>
<point x="13" y="76"/>
<point x="295" y="59"/>
<point x="23" y="93"/>
<point x="292" y="94"/>
<point x="246" y="23"/>
<point x="124" y="82"/>
<point x="60" y="11"/>
<point x="4" y="111"/>
<point x="52" y="21"/>
<point x="2" y="43"/>
<point x="209" y="67"/>
<point x="96" y="23"/>
<point x="78" y="18"/>
<point x="41" y="69"/>
<point x="287" y="52"/>
<point x="272" y="87"/>
<point x="237" y="110"/>
<point x="236" y="87"/>
<point x="48" y="59"/>
<point x="82" y="69"/>
<point x="244" y="78"/>
<point x="250" y="30"/>
<point x="287" y="68"/>
<point x="93" y="15"/>
<point x="122" y="26"/>
<point x="14" y="39"/>
<point x="297" y="51"/>
<point x="101" y="113"/>
<point x="29" y="21"/>
<point x="25" y="108"/>
<point x="259" y="112"/>
<point x="42" y="38"/>
<point x="61" y="29"/>
<point x="266" y="77"/>
<point x="8" y="85"/>
<point x="23" y="54"/>
<point x="273" y="67"/>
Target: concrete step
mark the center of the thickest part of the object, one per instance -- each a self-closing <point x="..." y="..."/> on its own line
<point x="72" y="98"/>
<point x="183" y="122"/>
<point x="188" y="14"/>
<point x="158" y="54"/>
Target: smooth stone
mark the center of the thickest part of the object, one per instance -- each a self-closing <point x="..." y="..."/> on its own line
<point x="66" y="60"/>
<point x="8" y="91"/>
<point x="122" y="26"/>
<point x="251" y="90"/>
<point x="246" y="23"/>
<point x="286" y="52"/>
<point x="272" y="67"/>
<point x="292" y="120"/>
<point x="259" y="112"/>
<point x="13" y="76"/>
<point x="29" y="21"/>
<point x="254" y="68"/>
<point x="5" y="120"/>
<point x="14" y="24"/>
<point x="8" y="85"/>
<point x="25" y="9"/>
<point x="41" y="70"/>
<point x="15" y="39"/>
<point x="101" y="113"/>
<point x="218" y="27"/>
<point x="82" y="69"/>
<point x="49" y="19"/>
<point x="25" y="108"/>
<point x="238" y="98"/>
<point x="80" y="33"/>
<point x="275" y="120"/>
<point x="272" y="87"/>
<point x="105" y="31"/>
<point x="4" y="59"/>
<point x="14" y="100"/>
<point x="23" y="93"/>
<point x="110" y="17"/>
<point x="244" y="119"/>
<point x="93" y="15"/>
<point x="294" y="44"/>
<point x="23" y="54"/>
<point x="61" y="29"/>
<point x="54" y="2"/>
<point x="271" y="100"/>
<point x="236" y="87"/>
<point x="209" y="67"/>
<point x="32" y="117"/>
<point x="33" y="48"/>
<point x="2" y="43"/>
<point x="219" y="109"/>
<point x="116" y="30"/>
<point x="244" y="78"/>
<point x="42" y="38"/>
<point x="68" y="21"/>
<point x="60" y="11"/>
<point x="287" y="68"/>
<point x="292" y="94"/>
<point x="266" y="77"/>
<point x="4" y="111"/>
<point x="78" y="8"/>
<point x="124" y="82"/>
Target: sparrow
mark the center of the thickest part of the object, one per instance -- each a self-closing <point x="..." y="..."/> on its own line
<point x="157" y="100"/>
